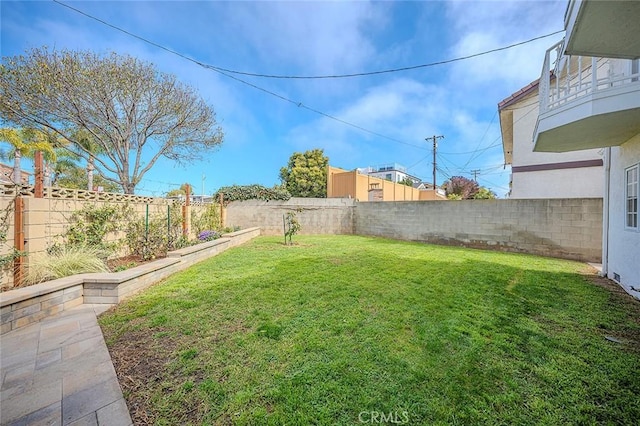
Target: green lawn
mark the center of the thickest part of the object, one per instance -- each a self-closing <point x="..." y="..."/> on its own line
<point x="344" y="329"/>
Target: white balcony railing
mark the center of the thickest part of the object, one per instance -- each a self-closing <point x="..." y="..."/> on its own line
<point x="566" y="79"/>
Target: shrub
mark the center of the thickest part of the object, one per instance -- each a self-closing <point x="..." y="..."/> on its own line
<point x="63" y="262"/>
<point x="148" y="241"/>
<point x="229" y="229"/>
<point x="154" y="237"/>
<point x="91" y="226"/>
<point x="252" y="192"/>
<point x="208" y="235"/>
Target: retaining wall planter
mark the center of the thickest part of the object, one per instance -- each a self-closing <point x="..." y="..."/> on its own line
<point x="27" y="305"/>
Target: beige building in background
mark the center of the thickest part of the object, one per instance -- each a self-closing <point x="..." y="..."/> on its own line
<point x="6" y="175"/>
<point x="365" y="187"/>
<point x="576" y="174"/>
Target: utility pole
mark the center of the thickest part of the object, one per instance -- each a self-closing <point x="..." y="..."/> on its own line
<point x="435" y="147"/>
<point x="202" y="196"/>
<point x="475" y="174"/>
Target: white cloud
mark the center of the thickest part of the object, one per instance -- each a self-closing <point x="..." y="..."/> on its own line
<point x="403" y="109"/>
<point x="484" y="26"/>
<point x="316" y="37"/>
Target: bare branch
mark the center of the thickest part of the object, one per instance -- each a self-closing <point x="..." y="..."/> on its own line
<point x="130" y="110"/>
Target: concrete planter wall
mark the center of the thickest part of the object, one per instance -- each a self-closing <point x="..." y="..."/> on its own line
<point x="27" y="305"/>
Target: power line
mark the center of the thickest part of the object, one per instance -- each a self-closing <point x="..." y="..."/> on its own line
<point x="388" y="71"/>
<point x="228" y="72"/>
<point x="471" y="152"/>
<point x="418" y="162"/>
<point x="360" y="74"/>
<point x="301" y="105"/>
<point x="220" y="71"/>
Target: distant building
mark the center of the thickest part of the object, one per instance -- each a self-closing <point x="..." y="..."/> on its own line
<point x="203" y="199"/>
<point x="371" y="187"/>
<point x="6" y="175"/>
<point x="392" y="172"/>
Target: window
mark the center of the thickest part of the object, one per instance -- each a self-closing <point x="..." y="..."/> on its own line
<point x="631" y="197"/>
<point x="388" y="176"/>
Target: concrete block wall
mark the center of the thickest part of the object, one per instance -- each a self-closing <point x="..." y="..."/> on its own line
<point x="31" y="304"/>
<point x="565" y="228"/>
<point x="115" y="287"/>
<point x="6" y="225"/>
<point x="316" y="215"/>
<point x="47" y="219"/>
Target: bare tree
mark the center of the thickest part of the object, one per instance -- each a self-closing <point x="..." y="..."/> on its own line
<point x="132" y="112"/>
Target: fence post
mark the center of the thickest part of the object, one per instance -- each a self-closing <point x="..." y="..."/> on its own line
<point x="18" y="240"/>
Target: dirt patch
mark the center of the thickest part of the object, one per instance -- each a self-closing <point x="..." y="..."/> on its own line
<point x="629" y="336"/>
<point x="140" y="360"/>
<point x="126" y="262"/>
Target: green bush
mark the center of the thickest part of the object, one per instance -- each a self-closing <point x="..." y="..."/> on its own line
<point x="154" y="238"/>
<point x="251" y="192"/>
<point x="11" y="254"/>
<point x="91" y="226"/>
<point x="63" y="262"/>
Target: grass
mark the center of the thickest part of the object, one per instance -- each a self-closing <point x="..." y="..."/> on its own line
<point x="347" y="329"/>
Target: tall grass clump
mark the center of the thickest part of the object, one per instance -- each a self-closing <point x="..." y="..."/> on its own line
<point x="63" y="262"/>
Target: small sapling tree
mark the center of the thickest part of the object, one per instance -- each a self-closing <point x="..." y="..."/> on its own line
<point x="291" y="226"/>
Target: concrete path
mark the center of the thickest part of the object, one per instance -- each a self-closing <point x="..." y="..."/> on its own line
<point x="59" y="372"/>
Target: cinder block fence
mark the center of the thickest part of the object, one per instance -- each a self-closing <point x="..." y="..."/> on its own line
<point x="565" y="228"/>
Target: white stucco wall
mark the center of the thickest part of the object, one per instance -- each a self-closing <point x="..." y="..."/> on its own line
<point x="624" y="244"/>
<point x="560" y="183"/>
<point x="585" y="182"/>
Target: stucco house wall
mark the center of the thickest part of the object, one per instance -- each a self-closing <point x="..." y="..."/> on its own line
<point x="576" y="174"/>
<point x="624" y="243"/>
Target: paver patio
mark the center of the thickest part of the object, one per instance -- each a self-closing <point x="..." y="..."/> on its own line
<point x="59" y="372"/>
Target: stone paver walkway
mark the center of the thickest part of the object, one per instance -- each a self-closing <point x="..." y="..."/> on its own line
<point x="59" y="372"/>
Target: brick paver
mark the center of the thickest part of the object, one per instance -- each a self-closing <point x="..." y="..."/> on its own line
<point x="58" y="372"/>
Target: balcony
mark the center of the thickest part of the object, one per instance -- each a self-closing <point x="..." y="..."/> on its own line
<point x="586" y="102"/>
<point x="603" y="28"/>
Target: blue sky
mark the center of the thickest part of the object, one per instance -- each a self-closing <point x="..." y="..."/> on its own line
<point x="457" y="100"/>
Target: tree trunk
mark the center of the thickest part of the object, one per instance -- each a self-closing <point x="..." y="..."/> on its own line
<point x="17" y="172"/>
<point x="129" y="187"/>
<point x="90" y="168"/>
<point x="47" y="175"/>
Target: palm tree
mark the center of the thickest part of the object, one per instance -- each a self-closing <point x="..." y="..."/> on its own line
<point x="24" y="143"/>
<point x="64" y="164"/>
<point x="85" y="143"/>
